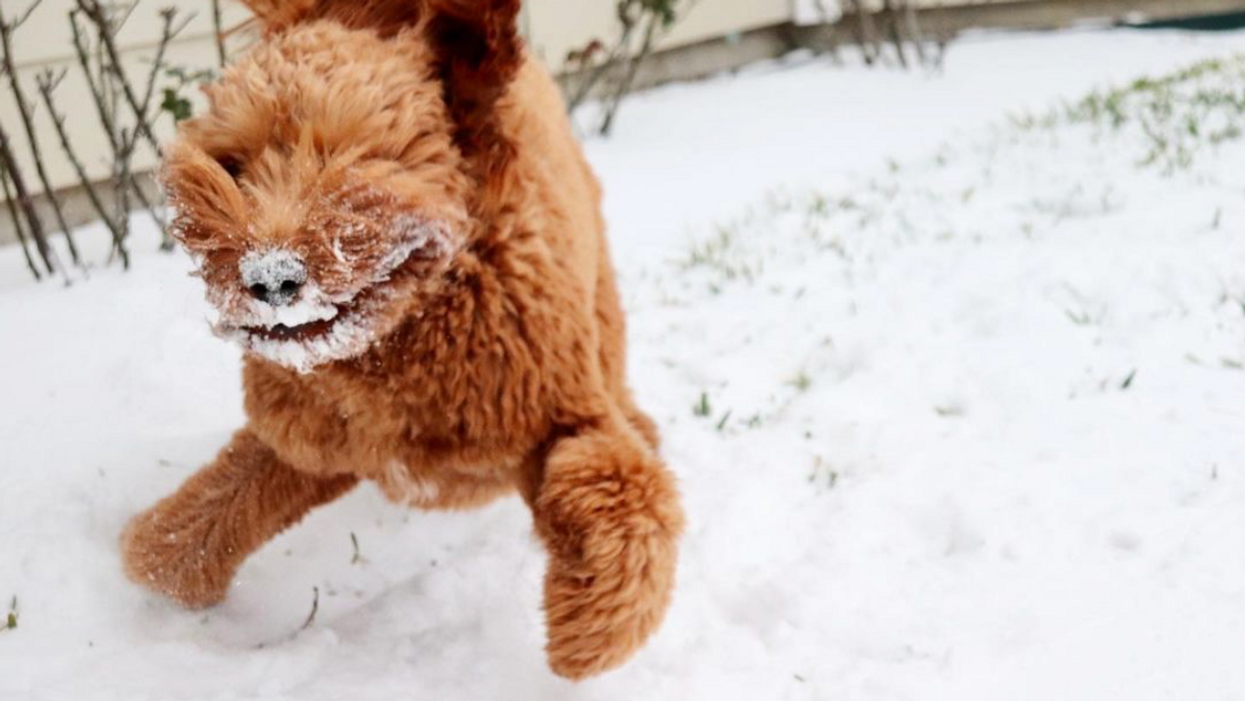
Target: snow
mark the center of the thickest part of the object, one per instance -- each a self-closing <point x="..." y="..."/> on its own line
<point x="950" y="374"/>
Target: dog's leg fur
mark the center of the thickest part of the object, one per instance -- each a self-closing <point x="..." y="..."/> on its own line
<point x="190" y="544"/>
<point x="608" y="512"/>
<point x="612" y="327"/>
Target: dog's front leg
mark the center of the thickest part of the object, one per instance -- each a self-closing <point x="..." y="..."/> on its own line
<point x="189" y="545"/>
<point x="608" y="512"/>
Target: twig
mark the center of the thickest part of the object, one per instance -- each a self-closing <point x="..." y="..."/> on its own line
<point x="122" y="149"/>
<point x="218" y="33"/>
<point x="10" y="200"/>
<point x="21" y="19"/>
<point x="167" y="33"/>
<point x="354" y="544"/>
<point x="98" y="16"/>
<point x="631" y="14"/>
<point x="13" y="173"/>
<point x="828" y="18"/>
<point x="895" y="30"/>
<point x="47" y="83"/>
<point x="598" y="72"/>
<point x="121" y="195"/>
<point x="866" y="35"/>
<point x="32" y="139"/>
<point x="97" y="90"/>
<point x="315" y="606"/>
<point x="166" y="241"/>
<point x="633" y="67"/>
<point x="915" y="35"/>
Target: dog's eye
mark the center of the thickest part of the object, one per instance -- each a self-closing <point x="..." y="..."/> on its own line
<point x="232" y="165"/>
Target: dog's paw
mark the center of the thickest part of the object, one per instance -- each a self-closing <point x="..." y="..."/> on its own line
<point x="609" y="513"/>
<point x="174" y="559"/>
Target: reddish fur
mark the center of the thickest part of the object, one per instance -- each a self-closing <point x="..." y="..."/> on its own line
<point x="501" y="365"/>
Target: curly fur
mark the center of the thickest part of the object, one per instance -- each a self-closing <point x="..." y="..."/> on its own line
<point x="485" y="354"/>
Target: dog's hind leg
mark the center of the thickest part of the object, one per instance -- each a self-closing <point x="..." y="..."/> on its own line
<point x="608" y="512"/>
<point x="189" y="545"/>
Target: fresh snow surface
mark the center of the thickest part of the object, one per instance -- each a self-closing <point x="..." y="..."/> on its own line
<point x="955" y="400"/>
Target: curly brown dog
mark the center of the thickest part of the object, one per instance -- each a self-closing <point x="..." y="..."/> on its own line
<point x="391" y="215"/>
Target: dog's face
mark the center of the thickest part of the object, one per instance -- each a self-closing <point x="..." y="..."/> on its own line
<point x="322" y="194"/>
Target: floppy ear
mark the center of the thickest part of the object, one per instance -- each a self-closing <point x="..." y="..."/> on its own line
<point x="478" y="52"/>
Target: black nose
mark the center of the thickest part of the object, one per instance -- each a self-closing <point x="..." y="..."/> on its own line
<point x="276" y="292"/>
<point x="274" y="276"/>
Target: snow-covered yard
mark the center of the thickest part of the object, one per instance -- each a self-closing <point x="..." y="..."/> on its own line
<point x="951" y="369"/>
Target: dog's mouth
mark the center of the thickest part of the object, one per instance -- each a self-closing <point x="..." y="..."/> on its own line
<point x="298" y="333"/>
<point x="316" y="316"/>
<point x="315" y="329"/>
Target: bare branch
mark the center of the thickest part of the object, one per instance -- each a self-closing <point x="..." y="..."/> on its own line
<point x="657" y="18"/>
<point x="218" y="32"/>
<point x="915" y="35"/>
<point x="891" y="17"/>
<point x="99" y="17"/>
<point x="47" y="83"/>
<point x="21" y="19"/>
<point x="118" y="22"/>
<point x="594" y="75"/>
<point x="633" y="67"/>
<point x="315" y="606"/>
<point x="105" y="98"/>
<point x="97" y="90"/>
<point x="866" y="35"/>
<point x="168" y="32"/>
<point x="10" y="200"/>
<point x="12" y="173"/>
<point x="166" y="241"/>
<point x="829" y="15"/>
<point x="32" y="139"/>
<point x="121" y="194"/>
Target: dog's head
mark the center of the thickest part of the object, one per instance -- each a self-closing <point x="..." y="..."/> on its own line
<point x="334" y="176"/>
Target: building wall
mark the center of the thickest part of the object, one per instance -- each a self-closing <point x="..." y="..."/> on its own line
<point x="555" y="27"/>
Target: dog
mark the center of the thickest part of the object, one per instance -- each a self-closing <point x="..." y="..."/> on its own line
<point x="391" y="215"/>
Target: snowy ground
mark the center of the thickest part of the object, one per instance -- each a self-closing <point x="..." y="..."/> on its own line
<point x="951" y="375"/>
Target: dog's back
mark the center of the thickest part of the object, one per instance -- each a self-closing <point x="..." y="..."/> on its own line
<point x="550" y="159"/>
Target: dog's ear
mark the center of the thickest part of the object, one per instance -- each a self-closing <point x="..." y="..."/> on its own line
<point x="478" y="52"/>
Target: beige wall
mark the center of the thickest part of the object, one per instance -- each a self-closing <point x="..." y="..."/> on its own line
<point x="556" y="27"/>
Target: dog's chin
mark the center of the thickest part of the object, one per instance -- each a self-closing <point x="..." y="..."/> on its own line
<point x="310" y="334"/>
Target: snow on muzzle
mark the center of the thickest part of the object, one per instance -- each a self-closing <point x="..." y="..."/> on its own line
<point x="289" y="319"/>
